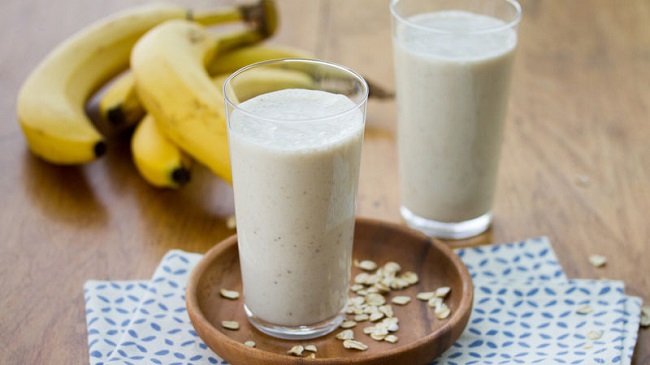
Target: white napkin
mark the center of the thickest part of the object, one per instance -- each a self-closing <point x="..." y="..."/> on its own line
<point x="525" y="312"/>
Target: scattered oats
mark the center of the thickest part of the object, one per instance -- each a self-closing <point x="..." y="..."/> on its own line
<point x="442" y="291"/>
<point x="370" y="304"/>
<point x="250" y="343"/>
<point x="583" y="180"/>
<point x="399" y="283"/>
<point x="362" y="278"/>
<point x="375" y="299"/>
<point x="598" y="260"/>
<point x="440" y="305"/>
<point x="391" y="268"/>
<point x="390" y="320"/>
<point x="348" y="324"/>
<point x="345" y="335"/>
<point x="425" y="296"/>
<point x="434" y="302"/>
<point x="231" y="222"/>
<point x="369" y="309"/>
<point x="229" y="294"/>
<point x="359" y="310"/>
<point x="382" y="327"/>
<point x="401" y="300"/>
<point x="387" y="310"/>
<point x="372" y="289"/>
<point x="594" y="335"/>
<point x="355" y="345"/>
<point x="382" y="287"/>
<point x="587" y="346"/>
<point x="311" y="348"/>
<point x="443" y="314"/>
<point x="393" y="327"/>
<point x="585" y="309"/>
<point x="391" y="338"/>
<point x="645" y="316"/>
<point x="361" y="317"/>
<point x="378" y="334"/>
<point x="442" y="311"/>
<point x="230" y="325"/>
<point x="366" y="265"/>
<point x="373" y="279"/>
<point x="311" y="356"/>
<point x="296" y="350"/>
<point x="374" y="317"/>
<point x="410" y="277"/>
<point x="356" y="287"/>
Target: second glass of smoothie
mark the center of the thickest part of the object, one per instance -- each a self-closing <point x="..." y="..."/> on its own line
<point x="453" y="62"/>
<point x="295" y="149"/>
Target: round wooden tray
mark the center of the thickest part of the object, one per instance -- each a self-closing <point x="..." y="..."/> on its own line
<point x="422" y="337"/>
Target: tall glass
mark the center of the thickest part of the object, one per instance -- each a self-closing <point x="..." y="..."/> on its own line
<point x="453" y="62"/>
<point x="295" y="130"/>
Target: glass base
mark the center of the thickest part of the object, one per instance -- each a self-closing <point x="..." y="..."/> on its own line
<point x="295" y="332"/>
<point x="457" y="230"/>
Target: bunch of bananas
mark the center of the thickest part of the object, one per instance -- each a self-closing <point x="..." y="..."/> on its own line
<point x="164" y="72"/>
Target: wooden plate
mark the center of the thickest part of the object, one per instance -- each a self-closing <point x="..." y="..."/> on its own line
<point x="422" y="337"/>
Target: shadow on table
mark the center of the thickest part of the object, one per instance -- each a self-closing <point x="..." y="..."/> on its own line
<point x="192" y="217"/>
<point x="62" y="193"/>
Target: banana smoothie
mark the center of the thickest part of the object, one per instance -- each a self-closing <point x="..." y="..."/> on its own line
<point x="295" y="179"/>
<point x="452" y="94"/>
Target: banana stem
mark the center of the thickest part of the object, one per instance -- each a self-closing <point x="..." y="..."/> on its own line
<point x="261" y="16"/>
<point x="211" y="17"/>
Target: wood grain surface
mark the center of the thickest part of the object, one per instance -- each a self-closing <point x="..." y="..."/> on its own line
<point x="575" y="167"/>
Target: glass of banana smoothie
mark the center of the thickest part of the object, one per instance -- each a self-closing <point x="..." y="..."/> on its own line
<point x="295" y="129"/>
<point x="453" y="62"/>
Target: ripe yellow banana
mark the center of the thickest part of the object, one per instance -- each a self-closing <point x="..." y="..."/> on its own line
<point x="232" y="61"/>
<point x="51" y="102"/>
<point x="159" y="161"/>
<point x="162" y="163"/>
<point x="185" y="102"/>
<point x="265" y="81"/>
<point x="119" y="106"/>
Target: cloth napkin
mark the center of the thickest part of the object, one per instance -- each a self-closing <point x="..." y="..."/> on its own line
<point x="525" y="312"/>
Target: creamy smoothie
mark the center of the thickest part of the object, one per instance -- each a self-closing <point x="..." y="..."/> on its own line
<point x="452" y="93"/>
<point x="295" y="180"/>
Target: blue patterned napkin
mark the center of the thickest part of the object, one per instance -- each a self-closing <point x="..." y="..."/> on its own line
<point x="525" y="312"/>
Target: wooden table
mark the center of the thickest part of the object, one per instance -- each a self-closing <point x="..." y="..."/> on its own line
<point x="575" y="167"/>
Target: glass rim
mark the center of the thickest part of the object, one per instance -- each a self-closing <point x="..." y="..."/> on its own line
<point x="354" y="74"/>
<point x="508" y="25"/>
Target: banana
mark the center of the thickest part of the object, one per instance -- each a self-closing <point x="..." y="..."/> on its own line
<point x="119" y="106"/>
<point x="158" y="160"/>
<point x="234" y="60"/>
<point x="265" y="81"/>
<point x="162" y="163"/>
<point x="50" y="104"/>
<point x="185" y="102"/>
